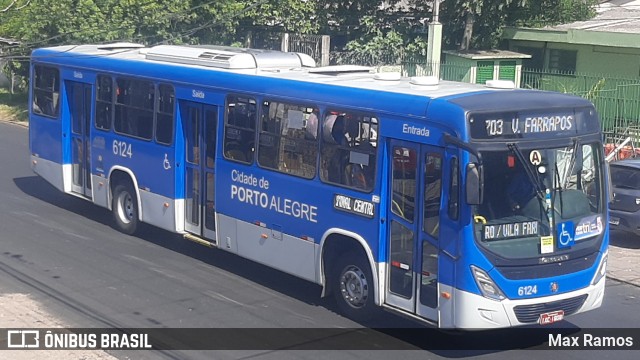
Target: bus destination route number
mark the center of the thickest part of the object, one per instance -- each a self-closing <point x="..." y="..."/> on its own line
<point x="529" y="125"/>
<point x="516" y="125"/>
<point x="510" y="230"/>
<point x="354" y="206"/>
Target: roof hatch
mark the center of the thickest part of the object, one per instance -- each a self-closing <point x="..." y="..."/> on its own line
<point x="338" y="70"/>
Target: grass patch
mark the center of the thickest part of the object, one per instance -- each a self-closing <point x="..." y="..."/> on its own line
<point x="13" y="107"/>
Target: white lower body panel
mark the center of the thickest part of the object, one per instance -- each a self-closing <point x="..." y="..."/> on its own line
<point x="51" y="171"/>
<point x="158" y="210"/>
<point x="268" y="246"/>
<point x="474" y="311"/>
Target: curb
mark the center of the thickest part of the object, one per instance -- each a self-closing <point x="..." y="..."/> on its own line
<point x="623" y="281"/>
<point x="24" y="124"/>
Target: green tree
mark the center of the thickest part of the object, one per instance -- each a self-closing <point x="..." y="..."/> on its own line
<point x="372" y="33"/>
<point x="478" y="23"/>
<point x="51" y="22"/>
<point x="54" y="22"/>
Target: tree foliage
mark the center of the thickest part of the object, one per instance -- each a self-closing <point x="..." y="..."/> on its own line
<point x="50" y="22"/>
<point x="478" y="23"/>
<point x="381" y="34"/>
<point x="388" y="28"/>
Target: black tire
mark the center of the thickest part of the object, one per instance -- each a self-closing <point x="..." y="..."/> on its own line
<point x="353" y="287"/>
<point x="124" y="207"/>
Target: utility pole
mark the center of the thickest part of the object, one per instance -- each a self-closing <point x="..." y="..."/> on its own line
<point x="434" y="45"/>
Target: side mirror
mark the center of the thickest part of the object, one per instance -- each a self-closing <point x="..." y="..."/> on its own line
<point x="475" y="184"/>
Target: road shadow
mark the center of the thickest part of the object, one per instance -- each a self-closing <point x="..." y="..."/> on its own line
<point x="624" y="240"/>
<point x="40" y="189"/>
<point x="386" y="331"/>
<point x="284" y="283"/>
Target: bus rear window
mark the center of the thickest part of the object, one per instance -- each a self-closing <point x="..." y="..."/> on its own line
<point x="46" y="91"/>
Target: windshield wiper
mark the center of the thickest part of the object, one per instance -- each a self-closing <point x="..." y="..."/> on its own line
<point x="572" y="164"/>
<point x="560" y="187"/>
<point x="533" y="178"/>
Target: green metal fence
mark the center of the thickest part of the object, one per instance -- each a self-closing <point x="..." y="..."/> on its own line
<point x="616" y="99"/>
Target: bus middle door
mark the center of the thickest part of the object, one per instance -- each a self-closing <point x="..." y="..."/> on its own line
<point x="412" y="253"/>
<point x="199" y="124"/>
<point x="79" y="97"/>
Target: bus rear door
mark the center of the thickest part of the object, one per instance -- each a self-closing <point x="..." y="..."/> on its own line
<point x="79" y="97"/>
<point x="199" y="122"/>
<point x="412" y="252"/>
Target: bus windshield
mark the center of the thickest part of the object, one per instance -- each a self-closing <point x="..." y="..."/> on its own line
<point x="540" y="202"/>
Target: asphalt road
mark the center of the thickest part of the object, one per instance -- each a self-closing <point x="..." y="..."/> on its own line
<point x="63" y="251"/>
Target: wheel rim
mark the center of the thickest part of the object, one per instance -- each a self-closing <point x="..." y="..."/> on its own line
<point x="354" y="287"/>
<point x="125" y="208"/>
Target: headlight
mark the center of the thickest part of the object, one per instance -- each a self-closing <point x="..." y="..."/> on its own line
<point x="488" y="288"/>
<point x="602" y="269"/>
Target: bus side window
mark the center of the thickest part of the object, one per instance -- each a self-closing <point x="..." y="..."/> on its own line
<point x="104" y="102"/>
<point x="46" y="91"/>
<point x="287" y="141"/>
<point x="349" y="147"/>
<point x="239" y="129"/>
<point x="134" y="108"/>
<point x="164" y="114"/>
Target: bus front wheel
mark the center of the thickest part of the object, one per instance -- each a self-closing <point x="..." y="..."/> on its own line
<point x="125" y="208"/>
<point x="353" y="287"/>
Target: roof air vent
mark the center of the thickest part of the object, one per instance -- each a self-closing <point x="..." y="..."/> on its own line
<point x="500" y="84"/>
<point x="424" y="81"/>
<point x="227" y="57"/>
<point x="387" y="76"/>
<point x="337" y="70"/>
<point x="120" y="46"/>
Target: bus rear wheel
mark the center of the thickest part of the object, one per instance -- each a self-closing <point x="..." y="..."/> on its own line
<point x="125" y="208"/>
<point x="353" y="287"/>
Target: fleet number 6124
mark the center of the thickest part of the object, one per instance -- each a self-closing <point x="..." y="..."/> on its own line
<point x="122" y="148"/>
<point x="527" y="290"/>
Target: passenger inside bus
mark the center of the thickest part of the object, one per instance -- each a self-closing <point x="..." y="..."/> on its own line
<point x="520" y="189"/>
<point x="348" y="151"/>
<point x="240" y="142"/>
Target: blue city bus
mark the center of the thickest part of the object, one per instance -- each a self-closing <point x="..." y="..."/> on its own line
<point x="460" y="205"/>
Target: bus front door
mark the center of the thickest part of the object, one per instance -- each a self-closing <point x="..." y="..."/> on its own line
<point x="79" y="97"/>
<point x="199" y="125"/>
<point x="412" y="253"/>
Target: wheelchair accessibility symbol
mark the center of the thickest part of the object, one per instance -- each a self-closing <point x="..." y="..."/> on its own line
<point x="566" y="234"/>
<point x="166" y="163"/>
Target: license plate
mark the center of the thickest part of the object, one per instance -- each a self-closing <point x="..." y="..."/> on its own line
<point x="551" y="317"/>
<point x="614" y="220"/>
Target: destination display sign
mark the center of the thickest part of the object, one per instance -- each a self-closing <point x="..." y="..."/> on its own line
<point x="515" y="125"/>
<point x="353" y="205"/>
<point x="510" y="230"/>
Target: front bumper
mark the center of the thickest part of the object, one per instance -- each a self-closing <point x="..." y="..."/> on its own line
<point x="474" y="311"/>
